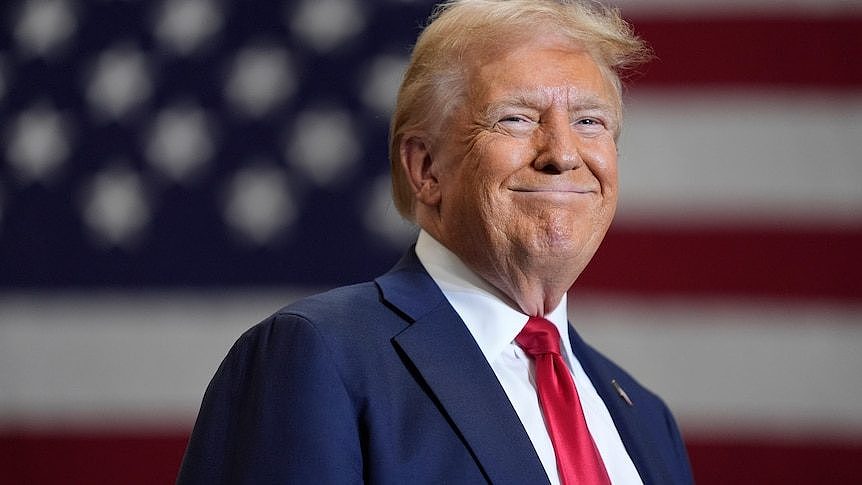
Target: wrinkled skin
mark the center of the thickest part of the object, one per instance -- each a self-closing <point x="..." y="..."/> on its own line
<point x="521" y="181"/>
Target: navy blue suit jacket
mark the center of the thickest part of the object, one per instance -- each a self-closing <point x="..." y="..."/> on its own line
<point x="382" y="383"/>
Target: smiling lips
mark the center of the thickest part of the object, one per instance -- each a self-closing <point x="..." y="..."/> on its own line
<point x="563" y="189"/>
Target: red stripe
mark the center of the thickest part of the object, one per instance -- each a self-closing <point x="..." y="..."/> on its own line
<point x="81" y="458"/>
<point x="808" y="52"/>
<point x="134" y="459"/>
<point x="774" y="463"/>
<point x="816" y="263"/>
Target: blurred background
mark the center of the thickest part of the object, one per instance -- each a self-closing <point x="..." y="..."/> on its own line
<point x="173" y="171"/>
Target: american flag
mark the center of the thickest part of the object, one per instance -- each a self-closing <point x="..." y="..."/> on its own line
<point x="173" y="171"/>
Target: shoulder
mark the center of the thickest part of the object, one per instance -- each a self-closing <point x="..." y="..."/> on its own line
<point x="653" y="416"/>
<point x="338" y="303"/>
<point x="347" y="325"/>
<point x="341" y="312"/>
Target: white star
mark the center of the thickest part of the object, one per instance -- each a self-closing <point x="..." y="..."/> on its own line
<point x="325" y="24"/>
<point x="44" y="25"/>
<point x="382" y="219"/>
<point x="259" y="79"/>
<point x="383" y="79"/>
<point x="180" y="142"/>
<point x="258" y="204"/>
<point x="120" y="81"/>
<point x="38" y="143"/>
<point x="324" y="145"/>
<point x="184" y="25"/>
<point x="115" y="208"/>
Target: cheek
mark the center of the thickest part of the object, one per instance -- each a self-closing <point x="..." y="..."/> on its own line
<point x="609" y="176"/>
<point x="604" y="165"/>
<point x="487" y="167"/>
<point x="502" y="160"/>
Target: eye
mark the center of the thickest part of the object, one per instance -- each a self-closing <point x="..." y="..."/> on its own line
<point x="589" y="125"/>
<point x="516" y="125"/>
<point x="589" y="122"/>
<point x="515" y="119"/>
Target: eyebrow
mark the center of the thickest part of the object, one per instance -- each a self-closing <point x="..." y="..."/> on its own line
<point x="538" y="100"/>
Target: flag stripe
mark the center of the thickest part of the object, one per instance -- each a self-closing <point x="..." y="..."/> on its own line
<point x="736" y="8"/>
<point x="131" y="458"/>
<point x="145" y="459"/>
<point x="777" y="51"/>
<point x="98" y="361"/>
<point x="769" y="462"/>
<point x="754" y="157"/>
<point x="785" y="263"/>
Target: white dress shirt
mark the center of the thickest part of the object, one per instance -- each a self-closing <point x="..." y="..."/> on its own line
<point x="494" y="324"/>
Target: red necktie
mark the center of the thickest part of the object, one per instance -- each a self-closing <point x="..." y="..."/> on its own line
<point x="578" y="460"/>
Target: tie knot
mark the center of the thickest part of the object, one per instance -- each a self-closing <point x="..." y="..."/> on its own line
<point x="539" y="336"/>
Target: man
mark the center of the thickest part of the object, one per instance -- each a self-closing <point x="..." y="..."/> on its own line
<point x="503" y="152"/>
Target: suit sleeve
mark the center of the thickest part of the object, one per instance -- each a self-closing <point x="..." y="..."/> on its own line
<point x="682" y="468"/>
<point x="277" y="411"/>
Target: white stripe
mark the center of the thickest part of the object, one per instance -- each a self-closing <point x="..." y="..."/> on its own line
<point x="109" y="359"/>
<point x="734" y="368"/>
<point x="738" y="368"/>
<point x="761" y="157"/>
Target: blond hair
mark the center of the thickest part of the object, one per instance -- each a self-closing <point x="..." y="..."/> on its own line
<point x="436" y="76"/>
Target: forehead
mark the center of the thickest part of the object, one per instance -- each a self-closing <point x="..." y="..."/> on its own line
<point x="540" y="71"/>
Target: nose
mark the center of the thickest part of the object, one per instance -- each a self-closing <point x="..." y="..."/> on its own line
<point x="557" y="147"/>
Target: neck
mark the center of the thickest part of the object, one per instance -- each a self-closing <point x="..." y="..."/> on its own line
<point x="534" y="283"/>
<point x="535" y="286"/>
<point x="534" y="295"/>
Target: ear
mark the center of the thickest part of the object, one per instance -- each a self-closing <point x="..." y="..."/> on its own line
<point x="421" y="171"/>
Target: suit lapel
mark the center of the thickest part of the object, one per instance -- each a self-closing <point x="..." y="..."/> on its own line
<point x="627" y="419"/>
<point x="448" y="361"/>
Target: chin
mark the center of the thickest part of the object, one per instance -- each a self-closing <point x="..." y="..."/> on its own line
<point x="562" y="234"/>
<point x="571" y="247"/>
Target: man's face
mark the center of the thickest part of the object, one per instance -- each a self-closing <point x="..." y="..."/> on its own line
<point x="527" y="165"/>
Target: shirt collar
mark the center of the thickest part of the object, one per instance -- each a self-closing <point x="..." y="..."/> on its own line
<point x="488" y="314"/>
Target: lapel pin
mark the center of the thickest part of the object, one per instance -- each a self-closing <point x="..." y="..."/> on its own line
<point x="622" y="392"/>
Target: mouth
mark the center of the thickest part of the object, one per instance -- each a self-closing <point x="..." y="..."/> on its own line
<point x="563" y="190"/>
